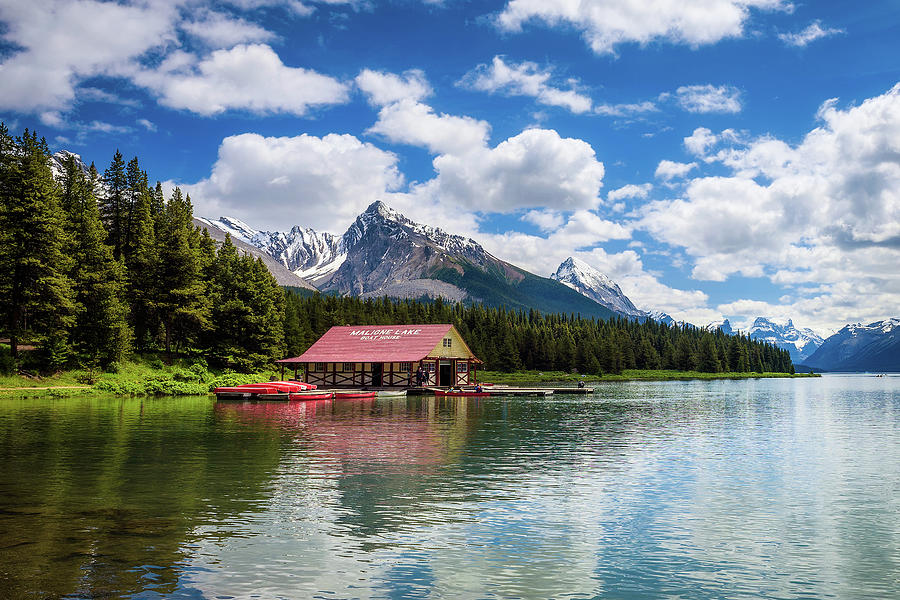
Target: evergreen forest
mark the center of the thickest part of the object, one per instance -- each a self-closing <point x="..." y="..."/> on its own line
<point x="512" y="340"/>
<point x="96" y="267"/>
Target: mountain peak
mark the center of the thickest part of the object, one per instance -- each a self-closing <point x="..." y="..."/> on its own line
<point x="801" y="343"/>
<point x="585" y="279"/>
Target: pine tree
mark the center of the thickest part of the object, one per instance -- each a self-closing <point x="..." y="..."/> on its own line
<point x="100" y="334"/>
<point x="37" y="293"/>
<point x="182" y="304"/>
<point x="113" y="206"/>
<point x="708" y="356"/>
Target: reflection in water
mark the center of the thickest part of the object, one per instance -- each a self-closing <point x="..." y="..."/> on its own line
<point x="750" y="489"/>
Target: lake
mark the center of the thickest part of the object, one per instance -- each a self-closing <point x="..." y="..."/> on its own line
<point x="701" y="489"/>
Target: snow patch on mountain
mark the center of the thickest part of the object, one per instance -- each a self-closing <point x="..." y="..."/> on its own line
<point x="800" y="342"/>
<point x="597" y="286"/>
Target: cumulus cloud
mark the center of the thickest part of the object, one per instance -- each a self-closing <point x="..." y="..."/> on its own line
<point x="668" y="170"/>
<point x="525" y="79"/>
<point x="701" y="140"/>
<point x="321" y="182"/>
<point x="383" y="88"/>
<point x="221" y="30"/>
<point x="813" y="32"/>
<point x="414" y="123"/>
<point x="537" y="168"/>
<point x="63" y="42"/>
<point x="825" y="211"/>
<point x="249" y="77"/>
<point x="709" y="98"/>
<point x="630" y="191"/>
<point x="606" y="24"/>
<point x="546" y="220"/>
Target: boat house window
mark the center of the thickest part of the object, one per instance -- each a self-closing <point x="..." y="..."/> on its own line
<point x="318" y="367"/>
<point x="448" y="342"/>
<point x="462" y="367"/>
<point x="405" y="367"/>
<point x="347" y="367"/>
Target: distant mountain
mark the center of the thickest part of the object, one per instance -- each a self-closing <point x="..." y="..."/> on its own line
<point x="801" y="343"/>
<point x="872" y="347"/>
<point x="724" y="325"/>
<point x="281" y="274"/>
<point x="385" y="253"/>
<point x="661" y="317"/>
<point x="588" y="281"/>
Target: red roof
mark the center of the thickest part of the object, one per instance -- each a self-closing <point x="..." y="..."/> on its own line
<point x="374" y="343"/>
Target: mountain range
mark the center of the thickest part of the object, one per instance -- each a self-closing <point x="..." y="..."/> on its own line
<point x="857" y="347"/>
<point x="385" y="254"/>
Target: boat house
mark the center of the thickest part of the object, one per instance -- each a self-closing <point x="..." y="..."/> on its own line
<point x="387" y="356"/>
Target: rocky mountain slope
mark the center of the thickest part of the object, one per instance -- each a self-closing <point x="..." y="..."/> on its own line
<point x="385" y="253"/>
<point x="590" y="282"/>
<point x="857" y="347"/>
<point x="800" y="342"/>
<point x="281" y="274"/>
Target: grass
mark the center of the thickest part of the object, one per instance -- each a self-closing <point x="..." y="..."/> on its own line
<point x="526" y="377"/>
<point x="136" y="377"/>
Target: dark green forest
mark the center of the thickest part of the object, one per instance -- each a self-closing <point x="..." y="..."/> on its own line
<point x="510" y="340"/>
<point x="97" y="267"/>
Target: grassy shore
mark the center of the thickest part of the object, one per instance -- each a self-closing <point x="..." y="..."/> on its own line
<point x="136" y="377"/>
<point x="531" y="377"/>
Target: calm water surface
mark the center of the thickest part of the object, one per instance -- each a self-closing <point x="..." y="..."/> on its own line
<point x="744" y="489"/>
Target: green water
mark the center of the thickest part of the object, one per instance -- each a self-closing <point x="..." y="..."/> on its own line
<point x="720" y="489"/>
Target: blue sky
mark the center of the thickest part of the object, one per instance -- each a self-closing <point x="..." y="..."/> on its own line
<point x="733" y="158"/>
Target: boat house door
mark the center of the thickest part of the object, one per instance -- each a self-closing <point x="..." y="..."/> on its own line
<point x="377" y="374"/>
<point x="446" y="374"/>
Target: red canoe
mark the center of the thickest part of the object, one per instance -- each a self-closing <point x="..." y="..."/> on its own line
<point x="310" y="396"/>
<point x="354" y="395"/>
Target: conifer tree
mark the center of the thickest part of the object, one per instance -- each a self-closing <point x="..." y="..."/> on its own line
<point x="100" y="334"/>
<point x="37" y="293"/>
<point x="181" y="304"/>
<point x="708" y="356"/>
<point x="113" y="206"/>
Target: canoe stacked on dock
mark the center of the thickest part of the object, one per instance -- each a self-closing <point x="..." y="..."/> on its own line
<point x="289" y="390"/>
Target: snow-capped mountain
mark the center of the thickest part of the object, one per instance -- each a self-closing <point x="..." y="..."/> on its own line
<point x="801" y="343"/>
<point x="383" y="253"/>
<point x="667" y="319"/>
<point x="724" y="325"/>
<point x="857" y="347"/>
<point x="587" y="280"/>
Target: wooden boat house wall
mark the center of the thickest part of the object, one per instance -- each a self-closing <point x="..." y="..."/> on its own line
<point x="387" y="356"/>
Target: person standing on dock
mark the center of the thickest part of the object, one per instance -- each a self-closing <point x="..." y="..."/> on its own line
<point x="420" y="376"/>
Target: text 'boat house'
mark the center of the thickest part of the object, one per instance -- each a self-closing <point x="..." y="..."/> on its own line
<point x="387" y="356"/>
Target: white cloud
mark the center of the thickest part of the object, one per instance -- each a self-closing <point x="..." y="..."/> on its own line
<point x="813" y="32"/>
<point x="546" y="220"/>
<point x="413" y="123"/>
<point x="220" y="30"/>
<point x="700" y="141"/>
<point x="668" y="170"/>
<point x="65" y="41"/>
<point x="709" y="98"/>
<point x="146" y="124"/>
<point x="630" y="191"/>
<point x="525" y="79"/>
<point x="626" y="110"/>
<point x="608" y="23"/>
<point x="382" y="88"/>
<point x="322" y="183"/>
<point x="535" y="169"/>
<point x="826" y="211"/>
<point x="246" y="77"/>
